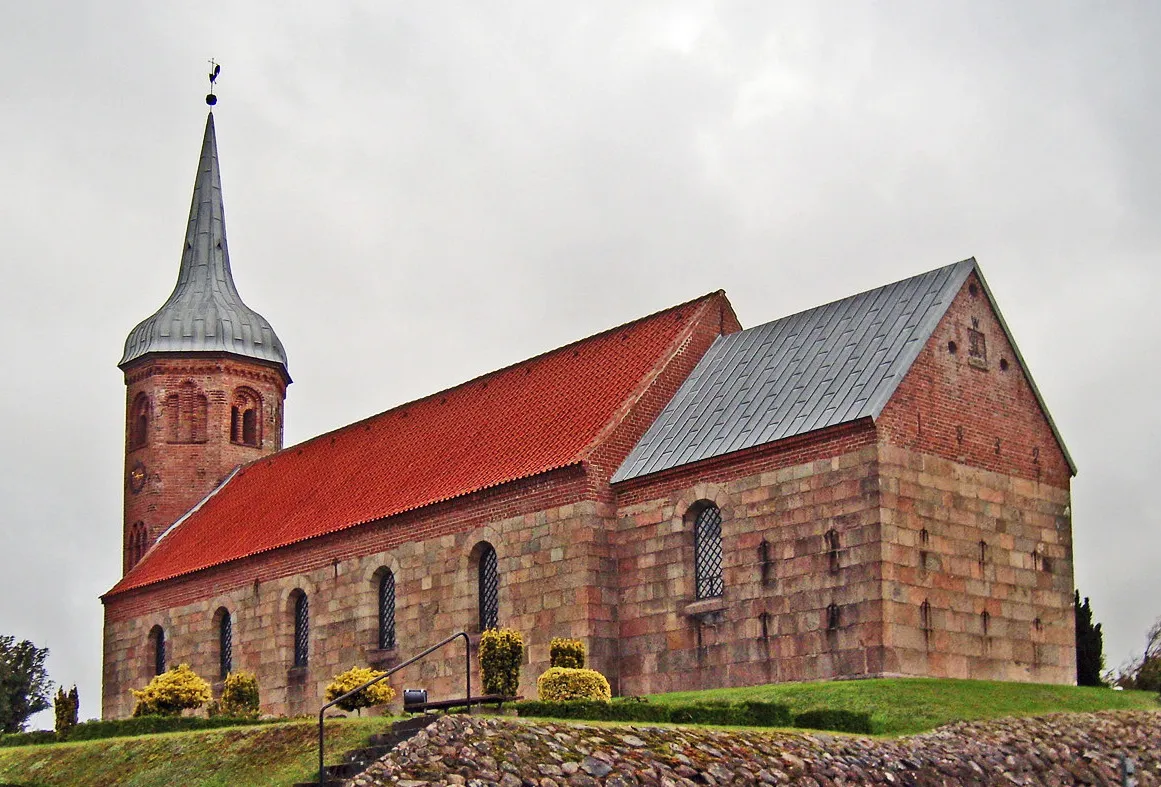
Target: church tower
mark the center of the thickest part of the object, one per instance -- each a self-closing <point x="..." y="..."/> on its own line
<point x="205" y="378"/>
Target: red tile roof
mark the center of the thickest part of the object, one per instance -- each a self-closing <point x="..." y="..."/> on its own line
<point x="544" y="413"/>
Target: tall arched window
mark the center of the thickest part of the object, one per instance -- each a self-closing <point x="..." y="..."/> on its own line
<point x="489" y="589"/>
<point x="225" y="643"/>
<point x="157" y="649"/>
<point x="139" y="422"/>
<point x="386" y="610"/>
<point x="301" y="628"/>
<point x="245" y="420"/>
<point x="707" y="552"/>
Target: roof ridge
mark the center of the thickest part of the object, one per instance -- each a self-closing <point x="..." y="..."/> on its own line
<point x="487" y="375"/>
<point x="647" y="381"/>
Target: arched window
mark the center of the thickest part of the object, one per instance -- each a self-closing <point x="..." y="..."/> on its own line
<point x="707" y="552"/>
<point x="157" y="649"/>
<point x="386" y="610"/>
<point x="139" y="422"/>
<point x="301" y="628"/>
<point x="186" y="413"/>
<point x="138" y="542"/>
<point x="489" y="588"/>
<point x="225" y="643"/>
<point x="245" y="423"/>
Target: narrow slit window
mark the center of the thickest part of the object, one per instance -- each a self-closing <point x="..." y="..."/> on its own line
<point x="157" y="643"/>
<point x="832" y="550"/>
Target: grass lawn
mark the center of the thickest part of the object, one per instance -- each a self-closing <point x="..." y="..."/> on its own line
<point x="275" y="754"/>
<point x="906" y="705"/>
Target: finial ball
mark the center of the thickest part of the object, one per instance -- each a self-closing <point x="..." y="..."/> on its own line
<point x="211" y="99"/>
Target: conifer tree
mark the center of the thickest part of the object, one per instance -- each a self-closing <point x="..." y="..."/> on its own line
<point x="1090" y="658"/>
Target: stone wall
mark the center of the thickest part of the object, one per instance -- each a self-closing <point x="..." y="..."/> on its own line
<point x="772" y="623"/>
<point x="551" y="559"/>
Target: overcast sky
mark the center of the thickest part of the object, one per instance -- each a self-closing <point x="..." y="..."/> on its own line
<point x="417" y="193"/>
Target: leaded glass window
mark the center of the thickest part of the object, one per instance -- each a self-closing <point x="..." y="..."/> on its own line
<point x="489" y="589"/>
<point x="301" y="630"/>
<point x="225" y="644"/>
<point x="387" y="610"/>
<point x="707" y="548"/>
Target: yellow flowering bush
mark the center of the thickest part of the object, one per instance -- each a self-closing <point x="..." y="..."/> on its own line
<point x="566" y="653"/>
<point x="171" y="692"/>
<point x="501" y="654"/>
<point x="240" y="696"/>
<point x="378" y="694"/>
<point x="561" y="684"/>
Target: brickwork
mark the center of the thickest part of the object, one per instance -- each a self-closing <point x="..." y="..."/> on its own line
<point x="172" y="460"/>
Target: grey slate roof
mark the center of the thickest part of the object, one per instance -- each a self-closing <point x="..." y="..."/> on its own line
<point x="822" y="367"/>
<point x="205" y="313"/>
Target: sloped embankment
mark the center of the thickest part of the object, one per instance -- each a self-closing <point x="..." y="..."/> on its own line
<point x="1083" y="748"/>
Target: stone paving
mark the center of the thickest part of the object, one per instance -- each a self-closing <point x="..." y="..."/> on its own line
<point x="1058" y="749"/>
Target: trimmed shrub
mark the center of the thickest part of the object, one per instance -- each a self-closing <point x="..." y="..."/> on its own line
<point x="837" y="720"/>
<point x="566" y="653"/>
<point x="752" y="714"/>
<point x="240" y="696"/>
<point x="171" y="692"/>
<point x="561" y="684"/>
<point x="66" y="706"/>
<point x="501" y="654"/>
<point x="35" y="738"/>
<point x="378" y="694"/>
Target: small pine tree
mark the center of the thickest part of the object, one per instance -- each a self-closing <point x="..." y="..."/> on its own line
<point x="62" y="710"/>
<point x="1090" y="658"/>
<point x="75" y="704"/>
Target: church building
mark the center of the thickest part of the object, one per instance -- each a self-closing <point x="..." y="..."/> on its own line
<point x="872" y="487"/>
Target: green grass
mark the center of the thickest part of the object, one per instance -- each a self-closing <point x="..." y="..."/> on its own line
<point x="907" y="705"/>
<point x="276" y="754"/>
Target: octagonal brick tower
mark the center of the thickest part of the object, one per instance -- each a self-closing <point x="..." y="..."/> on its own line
<point x="205" y="379"/>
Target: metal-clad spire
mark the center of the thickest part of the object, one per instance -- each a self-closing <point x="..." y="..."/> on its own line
<point x="205" y="312"/>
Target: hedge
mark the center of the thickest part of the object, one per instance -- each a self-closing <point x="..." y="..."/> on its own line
<point x="119" y="728"/>
<point x="565" y="684"/>
<point x="751" y="714"/>
<point x="837" y="720"/>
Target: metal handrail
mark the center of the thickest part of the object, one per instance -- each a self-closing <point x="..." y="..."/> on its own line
<point x="388" y="673"/>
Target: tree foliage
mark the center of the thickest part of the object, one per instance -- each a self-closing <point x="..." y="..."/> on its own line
<point x="1090" y="658"/>
<point x="24" y="685"/>
<point x="240" y="695"/>
<point x="1144" y="673"/>
<point x="501" y="654"/>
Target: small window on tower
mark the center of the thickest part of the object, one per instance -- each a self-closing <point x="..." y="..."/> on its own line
<point x="977" y="345"/>
<point x="245" y="426"/>
<point x="139" y="422"/>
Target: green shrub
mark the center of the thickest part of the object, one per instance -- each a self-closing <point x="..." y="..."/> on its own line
<point x="501" y="654"/>
<point x="240" y="696"/>
<point x="838" y="720"/>
<point x="66" y="707"/>
<point x="561" y="684"/>
<point x="171" y="692"/>
<point x="752" y="714"/>
<point x="36" y="738"/>
<point x="148" y="725"/>
<point x="378" y="694"/>
<point x="566" y="653"/>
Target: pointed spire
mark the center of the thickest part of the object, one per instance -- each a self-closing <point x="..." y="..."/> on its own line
<point x="205" y="313"/>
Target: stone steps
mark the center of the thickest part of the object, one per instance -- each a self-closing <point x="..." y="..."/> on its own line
<point x="358" y="760"/>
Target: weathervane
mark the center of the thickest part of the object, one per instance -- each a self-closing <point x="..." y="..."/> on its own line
<point x="215" y="69"/>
